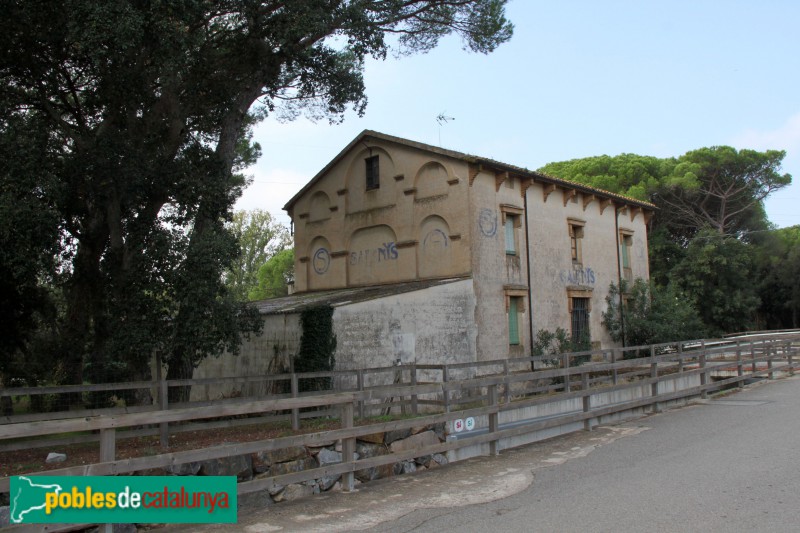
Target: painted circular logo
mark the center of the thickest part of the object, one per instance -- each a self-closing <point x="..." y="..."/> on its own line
<point x="487" y="222"/>
<point x="322" y="261"/>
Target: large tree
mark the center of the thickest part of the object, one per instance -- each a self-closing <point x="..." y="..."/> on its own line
<point x="721" y="188"/>
<point x="145" y="109"/>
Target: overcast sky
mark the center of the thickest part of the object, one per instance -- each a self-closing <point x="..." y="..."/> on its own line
<point x="578" y="79"/>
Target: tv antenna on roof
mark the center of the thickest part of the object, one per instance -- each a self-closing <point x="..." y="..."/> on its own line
<point x="441" y="119"/>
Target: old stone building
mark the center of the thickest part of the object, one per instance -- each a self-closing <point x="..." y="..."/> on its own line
<point x="539" y="252"/>
<point x="428" y="255"/>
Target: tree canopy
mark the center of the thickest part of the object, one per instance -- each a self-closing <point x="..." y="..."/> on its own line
<point x="133" y="119"/>
<point x="260" y="238"/>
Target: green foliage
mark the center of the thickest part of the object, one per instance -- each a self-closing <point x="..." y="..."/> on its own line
<point x="778" y="273"/>
<point x="631" y="175"/>
<point x="275" y="276"/>
<point x="650" y="315"/>
<point x="317" y="347"/>
<point x="717" y="275"/>
<point x="554" y="343"/>
<point x="260" y="238"/>
<point x="721" y="188"/>
<point x="125" y="127"/>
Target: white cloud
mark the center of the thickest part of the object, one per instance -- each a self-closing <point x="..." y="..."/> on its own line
<point x="782" y="205"/>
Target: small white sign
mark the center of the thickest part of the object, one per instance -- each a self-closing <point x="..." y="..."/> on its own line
<point x="469" y="423"/>
<point x="458" y="425"/>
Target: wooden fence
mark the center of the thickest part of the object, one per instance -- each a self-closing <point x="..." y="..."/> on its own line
<point x="490" y="391"/>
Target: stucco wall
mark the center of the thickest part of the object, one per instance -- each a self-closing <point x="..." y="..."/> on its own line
<point x="413" y="226"/>
<point x="430" y="326"/>
<point x="268" y="353"/>
<point x="553" y="272"/>
<point x="495" y="271"/>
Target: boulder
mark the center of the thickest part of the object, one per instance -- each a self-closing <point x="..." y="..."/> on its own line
<point x="5" y="516"/>
<point x="53" y="457"/>
<point x="418" y="441"/>
<point x="374" y="438"/>
<point x="366" y="450"/>
<point x="294" y="492"/>
<point x="328" y="457"/>
<point x="279" y="469"/>
<point x="255" y="500"/>
<point x="237" y="465"/>
<point x="263" y="460"/>
<point x="184" y="469"/>
<point x="398" y="434"/>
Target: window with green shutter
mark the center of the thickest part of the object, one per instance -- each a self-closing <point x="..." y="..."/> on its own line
<point x="513" y="320"/>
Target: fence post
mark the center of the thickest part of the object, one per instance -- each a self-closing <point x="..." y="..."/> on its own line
<point x="753" y="356"/>
<point x="507" y="383"/>
<point x="654" y="376"/>
<point x="295" y="411"/>
<point x="680" y="357"/>
<point x="587" y="400"/>
<point x="108" y="445"/>
<point x="163" y="402"/>
<point x="567" y="376"/>
<point x="445" y="390"/>
<point x="348" y="448"/>
<point x="703" y="374"/>
<point x="413" y="378"/>
<point x="789" y="352"/>
<point x="739" y="365"/>
<point x="494" y="448"/>
<point x="614" y="370"/>
<point x="771" y="374"/>
<point x="360" y="385"/>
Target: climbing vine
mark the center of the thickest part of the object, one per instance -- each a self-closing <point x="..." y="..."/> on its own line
<point x="317" y="347"/>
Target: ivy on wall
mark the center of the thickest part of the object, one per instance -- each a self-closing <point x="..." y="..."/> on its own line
<point x="317" y="347"/>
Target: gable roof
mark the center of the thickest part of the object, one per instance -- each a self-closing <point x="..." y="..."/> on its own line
<point x="475" y="160"/>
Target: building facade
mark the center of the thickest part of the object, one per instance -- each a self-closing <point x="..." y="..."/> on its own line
<point x="528" y="251"/>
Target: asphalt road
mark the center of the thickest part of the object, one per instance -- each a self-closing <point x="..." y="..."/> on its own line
<point x="727" y="464"/>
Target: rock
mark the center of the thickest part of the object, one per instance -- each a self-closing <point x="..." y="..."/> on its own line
<point x="53" y="457"/>
<point x="419" y="429"/>
<point x="439" y="459"/>
<point x="441" y="431"/>
<point x="237" y="465"/>
<point x="124" y="528"/>
<point x="283" y="455"/>
<point x="374" y="438"/>
<point x="291" y="467"/>
<point x="418" y="441"/>
<point x="424" y="460"/>
<point x="327" y="482"/>
<point x="5" y="516"/>
<point x="185" y="469"/>
<point x="367" y="450"/>
<point x="376" y="472"/>
<point x="254" y="500"/>
<point x="328" y="457"/>
<point x="398" y="434"/>
<point x="409" y="467"/>
<point x="294" y="492"/>
<point x="405" y="467"/>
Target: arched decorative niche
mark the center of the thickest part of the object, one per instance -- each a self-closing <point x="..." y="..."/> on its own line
<point x="373" y="256"/>
<point x="319" y="207"/>
<point x="435" y="248"/>
<point x="431" y="180"/>
<point x="371" y="180"/>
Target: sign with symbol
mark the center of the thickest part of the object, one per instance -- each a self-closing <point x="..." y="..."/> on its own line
<point x="458" y="425"/>
<point x="469" y="423"/>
